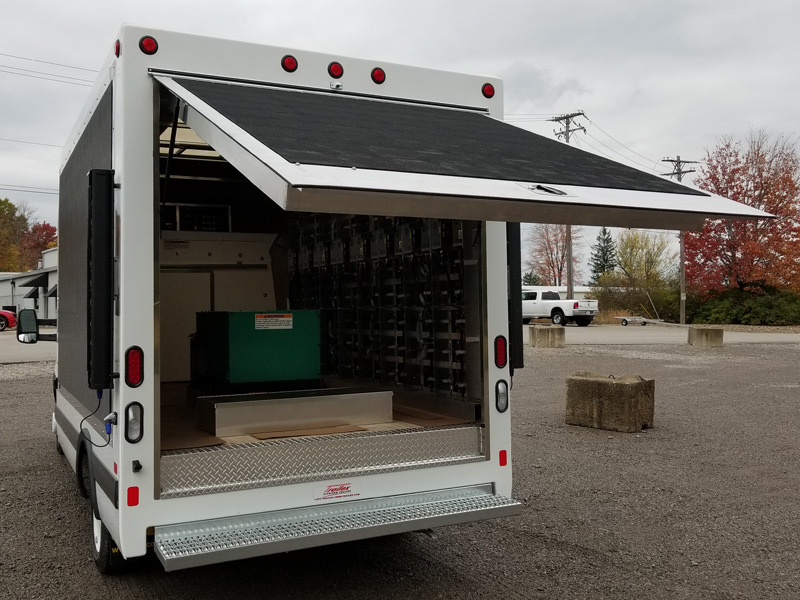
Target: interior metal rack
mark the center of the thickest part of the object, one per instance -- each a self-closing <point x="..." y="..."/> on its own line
<point x="391" y="292"/>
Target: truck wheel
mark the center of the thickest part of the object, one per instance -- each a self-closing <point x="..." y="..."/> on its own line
<point x="558" y="318"/>
<point x="105" y="553"/>
<point x="3" y="323"/>
<point x="624" y="322"/>
<point x="583" y="321"/>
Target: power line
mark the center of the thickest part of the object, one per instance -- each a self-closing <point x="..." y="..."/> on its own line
<point x="30" y="187"/>
<point x="620" y="143"/>
<point x="45" y="62"/>
<point x="47" y="78"/>
<point x="34" y="143"/>
<point x="8" y="189"/>
<point x="46" y="73"/>
<point x="636" y="162"/>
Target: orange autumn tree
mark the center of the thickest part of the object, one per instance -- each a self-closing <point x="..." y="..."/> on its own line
<point x="749" y="255"/>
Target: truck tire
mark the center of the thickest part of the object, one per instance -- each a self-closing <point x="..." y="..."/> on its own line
<point x="558" y="318"/>
<point x="3" y="323"/>
<point x="105" y="553"/>
<point x="583" y="321"/>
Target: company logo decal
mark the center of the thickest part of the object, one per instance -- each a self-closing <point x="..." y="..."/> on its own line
<point x="337" y="491"/>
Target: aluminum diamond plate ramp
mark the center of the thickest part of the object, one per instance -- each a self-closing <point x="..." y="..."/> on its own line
<point x="208" y="542"/>
<point x="234" y="467"/>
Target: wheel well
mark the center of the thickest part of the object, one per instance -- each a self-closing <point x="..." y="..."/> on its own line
<point x="81" y="476"/>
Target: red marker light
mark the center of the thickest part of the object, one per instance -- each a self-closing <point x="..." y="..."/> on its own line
<point x="148" y="45"/>
<point x="289" y="63"/>
<point x="133" y="495"/>
<point x="378" y="75"/>
<point x="500" y="351"/>
<point x="116" y="48"/>
<point x="488" y="90"/>
<point x="335" y="70"/>
<point x="503" y="458"/>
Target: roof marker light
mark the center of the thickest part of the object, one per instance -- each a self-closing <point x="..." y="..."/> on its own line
<point x="488" y="90"/>
<point x="335" y="70"/>
<point x="148" y="45"/>
<point x="289" y="63"/>
<point x="378" y="75"/>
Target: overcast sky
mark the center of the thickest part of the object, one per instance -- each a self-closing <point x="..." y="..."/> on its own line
<point x="655" y="79"/>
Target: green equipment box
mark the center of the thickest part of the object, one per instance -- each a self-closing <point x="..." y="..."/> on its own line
<point x="267" y="347"/>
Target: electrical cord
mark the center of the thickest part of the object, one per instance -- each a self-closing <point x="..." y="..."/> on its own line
<point x="80" y="427"/>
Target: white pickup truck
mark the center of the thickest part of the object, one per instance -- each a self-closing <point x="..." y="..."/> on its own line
<point x="546" y="303"/>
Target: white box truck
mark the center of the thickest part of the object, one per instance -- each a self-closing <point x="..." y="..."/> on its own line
<point x="289" y="294"/>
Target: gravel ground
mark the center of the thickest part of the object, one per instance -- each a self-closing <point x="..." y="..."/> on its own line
<point x="704" y="505"/>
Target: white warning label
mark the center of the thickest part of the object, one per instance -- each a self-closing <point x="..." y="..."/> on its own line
<point x="274" y="321"/>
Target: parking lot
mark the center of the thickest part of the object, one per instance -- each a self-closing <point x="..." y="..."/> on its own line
<point x="704" y="505"/>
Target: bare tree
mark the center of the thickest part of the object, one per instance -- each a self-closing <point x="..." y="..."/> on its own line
<point x="547" y="253"/>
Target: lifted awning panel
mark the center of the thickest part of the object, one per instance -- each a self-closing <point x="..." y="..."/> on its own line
<point x="327" y="152"/>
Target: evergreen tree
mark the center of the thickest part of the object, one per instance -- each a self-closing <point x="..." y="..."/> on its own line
<point x="531" y="278"/>
<point x="603" y="258"/>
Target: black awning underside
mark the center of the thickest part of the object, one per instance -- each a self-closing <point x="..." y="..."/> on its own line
<point x="340" y="131"/>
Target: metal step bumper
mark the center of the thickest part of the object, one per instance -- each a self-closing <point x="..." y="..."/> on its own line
<point x="207" y="542"/>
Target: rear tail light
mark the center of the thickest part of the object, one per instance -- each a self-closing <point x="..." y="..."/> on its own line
<point x="487" y="90"/>
<point x="134" y="366"/>
<point x="500" y="351"/>
<point x="574" y="305"/>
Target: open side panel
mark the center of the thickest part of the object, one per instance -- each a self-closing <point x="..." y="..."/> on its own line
<point x="327" y="152"/>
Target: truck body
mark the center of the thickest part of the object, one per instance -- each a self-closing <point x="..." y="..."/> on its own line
<point x="545" y="303"/>
<point x="284" y="311"/>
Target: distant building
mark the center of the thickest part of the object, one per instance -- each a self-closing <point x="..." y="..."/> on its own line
<point x="34" y="289"/>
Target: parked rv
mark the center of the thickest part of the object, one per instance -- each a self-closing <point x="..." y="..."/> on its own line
<point x="295" y="327"/>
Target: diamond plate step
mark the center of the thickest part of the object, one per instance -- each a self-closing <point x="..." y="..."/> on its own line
<point x="208" y="542"/>
<point x="234" y="467"/>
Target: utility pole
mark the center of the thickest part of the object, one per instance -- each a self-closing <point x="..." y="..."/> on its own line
<point x="568" y="121"/>
<point x="678" y="172"/>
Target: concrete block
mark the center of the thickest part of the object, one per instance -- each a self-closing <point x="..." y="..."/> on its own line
<point x="617" y="403"/>
<point x="705" y="337"/>
<point x="546" y="336"/>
